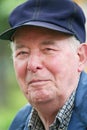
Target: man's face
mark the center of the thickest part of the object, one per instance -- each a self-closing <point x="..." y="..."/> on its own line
<point x="46" y="65"/>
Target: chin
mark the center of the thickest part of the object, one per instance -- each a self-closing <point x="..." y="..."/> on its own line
<point x="40" y="96"/>
<point x="44" y="100"/>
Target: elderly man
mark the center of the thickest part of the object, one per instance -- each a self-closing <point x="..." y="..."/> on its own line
<point x="49" y="56"/>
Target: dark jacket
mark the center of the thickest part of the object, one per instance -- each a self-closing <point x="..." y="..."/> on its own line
<point x="78" y="119"/>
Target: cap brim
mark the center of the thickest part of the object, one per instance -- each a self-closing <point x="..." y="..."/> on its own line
<point x="7" y="35"/>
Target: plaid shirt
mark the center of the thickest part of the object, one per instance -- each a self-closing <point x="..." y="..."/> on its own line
<point x="61" y="121"/>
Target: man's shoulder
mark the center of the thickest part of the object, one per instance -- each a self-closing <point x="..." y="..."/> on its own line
<point x="81" y="98"/>
<point x="21" y="118"/>
<point x="81" y="91"/>
<point x="25" y="110"/>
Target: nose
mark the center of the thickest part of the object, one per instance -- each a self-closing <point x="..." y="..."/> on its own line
<point x="34" y="63"/>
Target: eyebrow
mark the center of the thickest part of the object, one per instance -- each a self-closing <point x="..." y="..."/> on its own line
<point x="46" y="42"/>
<point x="18" y="46"/>
<point x="49" y="42"/>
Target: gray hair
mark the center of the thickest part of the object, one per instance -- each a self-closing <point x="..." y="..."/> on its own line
<point x="74" y="42"/>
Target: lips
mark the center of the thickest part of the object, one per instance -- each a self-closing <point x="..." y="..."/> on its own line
<point x="37" y="81"/>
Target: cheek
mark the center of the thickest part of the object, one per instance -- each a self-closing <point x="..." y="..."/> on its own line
<point x="20" y="71"/>
<point x="54" y="66"/>
<point x="20" y="68"/>
<point x="55" y="63"/>
<point x="60" y="65"/>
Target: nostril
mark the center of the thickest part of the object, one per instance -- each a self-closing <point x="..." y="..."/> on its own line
<point x="33" y="68"/>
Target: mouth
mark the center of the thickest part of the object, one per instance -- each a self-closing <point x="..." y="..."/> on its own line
<point x="38" y="82"/>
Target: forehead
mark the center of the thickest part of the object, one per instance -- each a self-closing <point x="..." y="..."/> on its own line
<point x="34" y="31"/>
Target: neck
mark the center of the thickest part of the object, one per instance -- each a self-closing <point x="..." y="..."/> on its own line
<point x="47" y="117"/>
<point x="47" y="112"/>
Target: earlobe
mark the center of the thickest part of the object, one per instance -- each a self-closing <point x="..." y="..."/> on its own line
<point x="82" y="53"/>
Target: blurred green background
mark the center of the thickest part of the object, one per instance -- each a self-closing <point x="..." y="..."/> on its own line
<point x="11" y="98"/>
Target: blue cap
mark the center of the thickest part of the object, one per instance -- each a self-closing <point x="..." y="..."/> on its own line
<point x="60" y="15"/>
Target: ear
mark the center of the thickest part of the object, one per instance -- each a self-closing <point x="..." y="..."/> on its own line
<point x="82" y="53"/>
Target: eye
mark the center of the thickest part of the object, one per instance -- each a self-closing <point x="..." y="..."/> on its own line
<point x="22" y="54"/>
<point x="49" y="50"/>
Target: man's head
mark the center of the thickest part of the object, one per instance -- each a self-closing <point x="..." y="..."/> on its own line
<point x="47" y="64"/>
<point x="61" y="15"/>
<point x="47" y="55"/>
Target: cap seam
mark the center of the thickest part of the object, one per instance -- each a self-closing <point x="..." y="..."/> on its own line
<point x="37" y="10"/>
